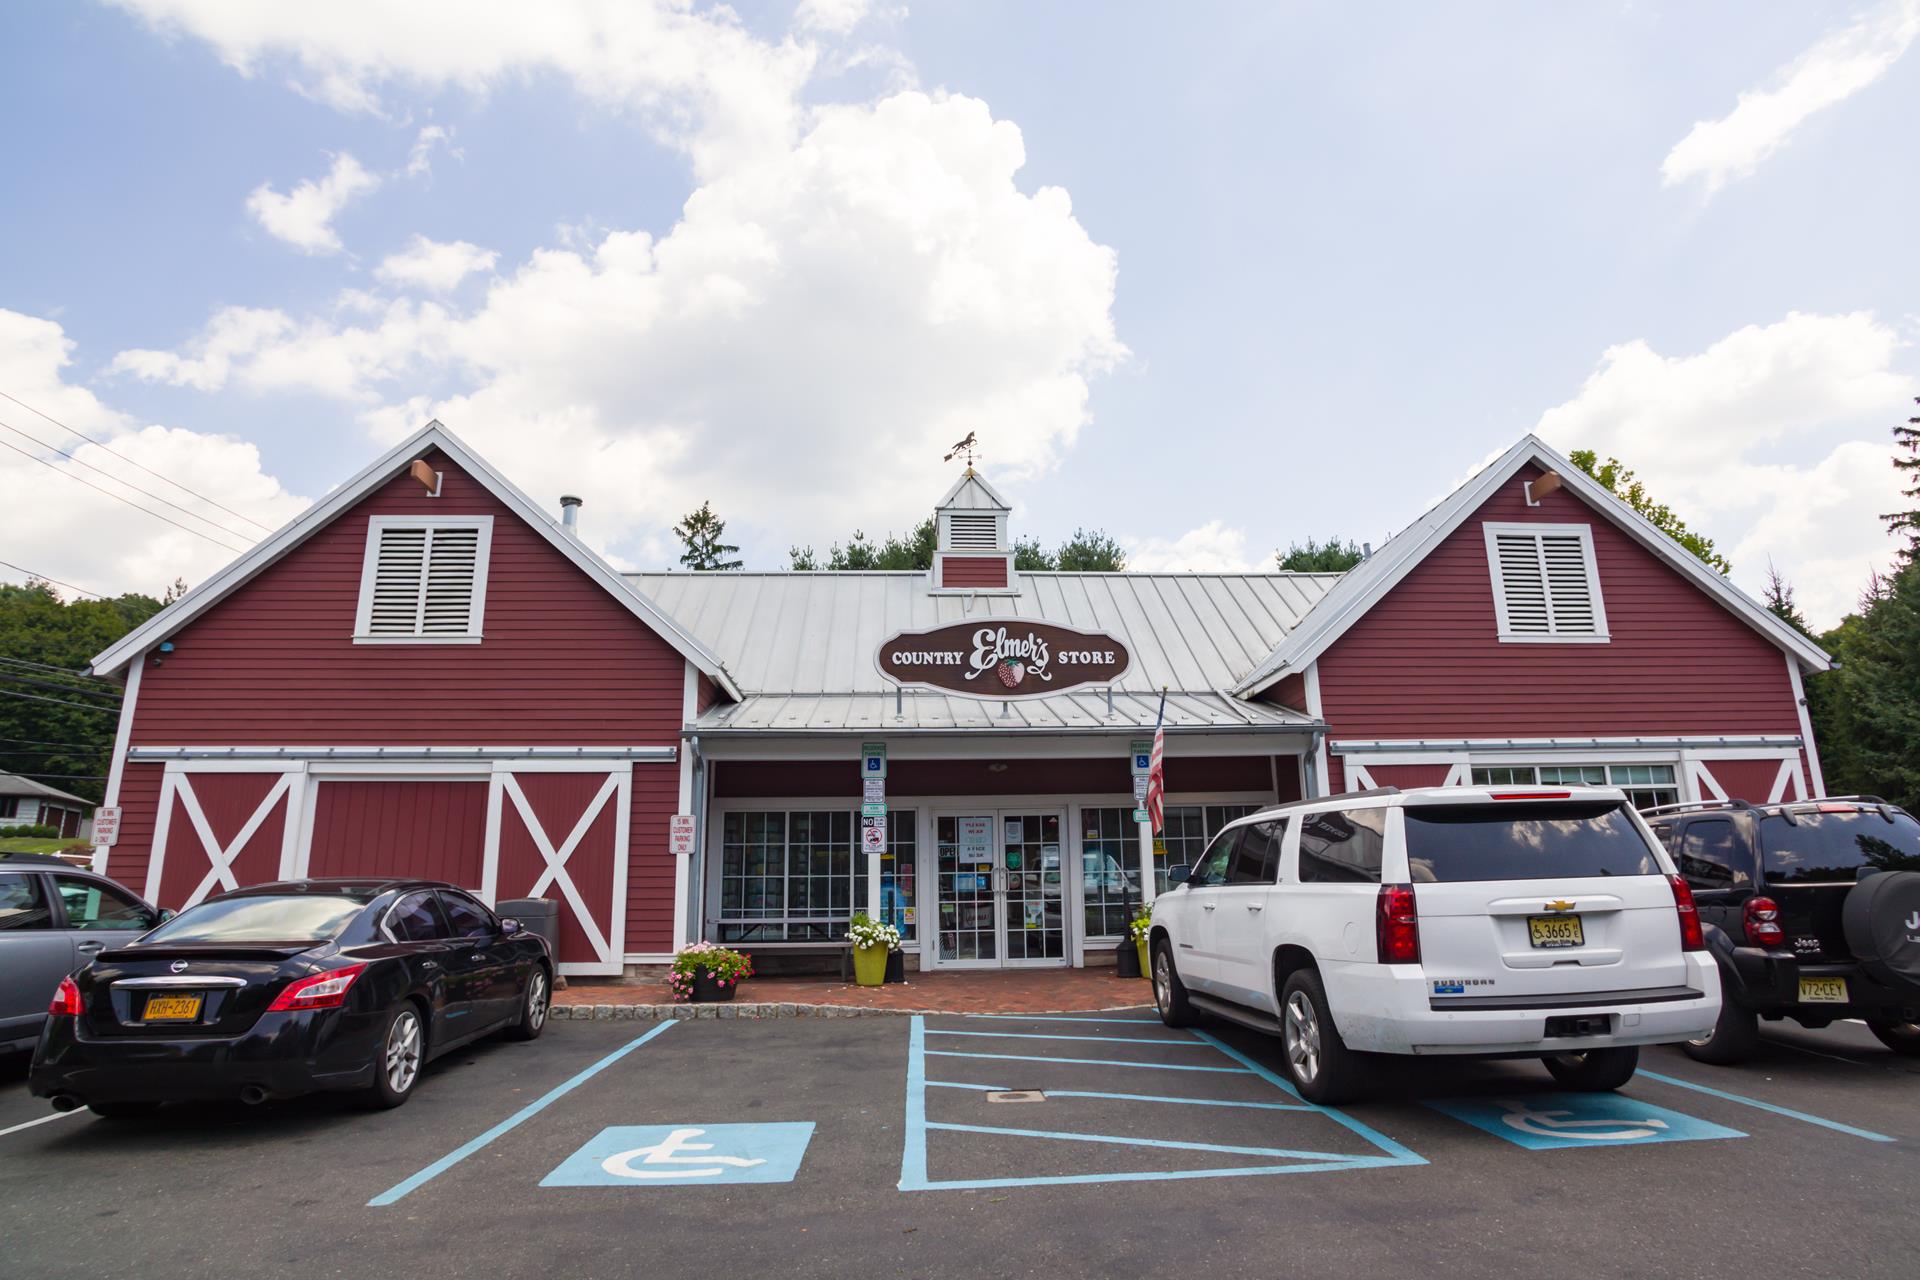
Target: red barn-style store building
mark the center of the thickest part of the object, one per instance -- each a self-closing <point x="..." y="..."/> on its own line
<point x="429" y="674"/>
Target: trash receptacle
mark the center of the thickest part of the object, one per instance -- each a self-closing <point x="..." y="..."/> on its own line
<point x="536" y="915"/>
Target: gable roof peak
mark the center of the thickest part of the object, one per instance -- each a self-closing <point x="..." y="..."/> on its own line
<point x="971" y="492"/>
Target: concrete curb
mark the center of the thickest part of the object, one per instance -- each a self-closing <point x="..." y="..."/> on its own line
<point x="737" y="1009"/>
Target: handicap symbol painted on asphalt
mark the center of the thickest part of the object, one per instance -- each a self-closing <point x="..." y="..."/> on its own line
<point x="1555" y="1121"/>
<point x="684" y="1155"/>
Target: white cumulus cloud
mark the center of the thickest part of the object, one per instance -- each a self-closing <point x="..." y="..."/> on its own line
<point x="1839" y="65"/>
<point x="103" y="543"/>
<point x="303" y="217"/>
<point x="1773" y="442"/>
<point x="431" y="264"/>
<point x="1214" y="547"/>
<point x="420" y="155"/>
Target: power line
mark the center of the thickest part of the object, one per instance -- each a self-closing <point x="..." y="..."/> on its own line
<point x="57" y="687"/>
<point x="55" y="753"/>
<point x="55" y="581"/>
<point x="42" y="742"/>
<point x="77" y="673"/>
<point x="78" y="777"/>
<point x="124" y="458"/>
<point x="118" y="498"/>
<point x="145" y="493"/>
<point x="60" y="702"/>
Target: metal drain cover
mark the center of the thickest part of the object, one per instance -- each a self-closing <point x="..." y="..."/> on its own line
<point x="1017" y="1095"/>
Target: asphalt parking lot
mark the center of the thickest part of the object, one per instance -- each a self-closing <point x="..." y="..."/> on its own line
<point x="816" y="1147"/>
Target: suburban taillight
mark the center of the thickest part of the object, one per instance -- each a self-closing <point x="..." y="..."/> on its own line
<point x="322" y="991"/>
<point x="1396" y="925"/>
<point x="1762" y="919"/>
<point x="1691" y="939"/>
<point x="66" y="1000"/>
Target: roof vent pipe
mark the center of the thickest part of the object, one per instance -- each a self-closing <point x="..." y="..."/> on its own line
<point x="1366" y="548"/>
<point x="569" y="513"/>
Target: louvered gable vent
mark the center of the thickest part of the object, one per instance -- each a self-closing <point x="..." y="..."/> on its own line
<point x="424" y="580"/>
<point x="974" y="533"/>
<point x="1545" y="583"/>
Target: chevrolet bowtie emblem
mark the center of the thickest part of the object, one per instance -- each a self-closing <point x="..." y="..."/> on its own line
<point x="1560" y="904"/>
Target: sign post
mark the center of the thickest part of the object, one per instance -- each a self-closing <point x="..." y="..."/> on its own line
<point x="1142" y="758"/>
<point x="873" y="841"/>
<point x="873" y="818"/>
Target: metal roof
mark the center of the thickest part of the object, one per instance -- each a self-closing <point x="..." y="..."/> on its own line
<point x="971" y="492"/>
<point x="814" y="634"/>
<point x="1083" y="711"/>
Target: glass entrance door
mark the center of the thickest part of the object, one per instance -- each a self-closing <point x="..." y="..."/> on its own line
<point x="1000" y="889"/>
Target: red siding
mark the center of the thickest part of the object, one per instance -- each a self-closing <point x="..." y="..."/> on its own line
<point x="1750" y="780"/>
<point x="650" y="867"/>
<point x="1408" y="775"/>
<point x="1425" y="661"/>
<point x="228" y="801"/>
<point x="559" y="800"/>
<point x="563" y="663"/>
<point x="973" y="571"/>
<point x="746" y="779"/>
<point x="139" y="804"/>
<point x="1290" y="691"/>
<point x="435" y="830"/>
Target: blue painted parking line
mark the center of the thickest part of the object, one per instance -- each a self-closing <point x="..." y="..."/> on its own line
<point x="1038" y="1035"/>
<point x="1056" y="1017"/>
<point x="1745" y="1101"/>
<point x="1084" y="1062"/>
<point x="1560" y="1121"/>
<point x="665" y="1155"/>
<point x="524" y="1114"/>
<point x="914" y="1174"/>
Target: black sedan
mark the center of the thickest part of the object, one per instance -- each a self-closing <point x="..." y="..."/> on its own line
<point x="290" y="988"/>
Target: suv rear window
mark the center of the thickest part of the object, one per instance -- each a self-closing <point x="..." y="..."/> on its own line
<point x="303" y="917"/>
<point x="1553" y="841"/>
<point x="1817" y="847"/>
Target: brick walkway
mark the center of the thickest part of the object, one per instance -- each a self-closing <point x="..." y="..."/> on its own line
<point x="1002" y="991"/>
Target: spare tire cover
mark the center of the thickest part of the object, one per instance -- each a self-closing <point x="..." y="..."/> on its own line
<point x="1881" y="917"/>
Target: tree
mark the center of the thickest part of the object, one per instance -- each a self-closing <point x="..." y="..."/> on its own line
<point x="1622" y="483"/>
<point x="700" y="533"/>
<point x="1085" y="552"/>
<point x="56" y="723"/>
<point x="1091" y="552"/>
<point x="1908" y="522"/>
<point x="1331" y="556"/>
<point x="1780" y="601"/>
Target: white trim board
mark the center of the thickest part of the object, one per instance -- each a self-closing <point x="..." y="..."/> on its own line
<point x="384" y="468"/>
<point x="1367" y="583"/>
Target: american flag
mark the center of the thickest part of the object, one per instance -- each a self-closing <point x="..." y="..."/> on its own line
<point x="1157" y="770"/>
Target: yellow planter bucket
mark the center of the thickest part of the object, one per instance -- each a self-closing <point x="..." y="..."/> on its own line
<point x="870" y="966"/>
<point x="1146" y="961"/>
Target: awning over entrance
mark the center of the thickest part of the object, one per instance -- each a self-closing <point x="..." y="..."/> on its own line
<point x="1091" y="710"/>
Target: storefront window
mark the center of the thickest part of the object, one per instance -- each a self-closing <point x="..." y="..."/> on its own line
<point x="1646" y="785"/>
<point x="1110" y="857"/>
<point x="796" y="877"/>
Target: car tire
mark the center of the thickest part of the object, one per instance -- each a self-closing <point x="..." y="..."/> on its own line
<point x="123" y="1110"/>
<point x="1901" y="1037"/>
<point x="1318" y="1061"/>
<point x="1596" y="1070"/>
<point x="1169" y="993"/>
<point x="398" y="1057"/>
<point x="1734" y="1037"/>
<point x="534" y="1006"/>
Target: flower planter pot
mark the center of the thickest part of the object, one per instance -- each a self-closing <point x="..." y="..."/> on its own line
<point x="1146" y="960"/>
<point x="1126" y="960"/>
<point x="870" y="965"/>
<point x="711" y="990"/>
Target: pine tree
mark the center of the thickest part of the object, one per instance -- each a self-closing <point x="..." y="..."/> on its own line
<point x="1908" y="522"/>
<point x="1780" y="601"/>
<point x="700" y="533"/>
<point x="1331" y="556"/>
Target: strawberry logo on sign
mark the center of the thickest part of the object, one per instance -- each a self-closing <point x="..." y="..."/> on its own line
<point x="1011" y="673"/>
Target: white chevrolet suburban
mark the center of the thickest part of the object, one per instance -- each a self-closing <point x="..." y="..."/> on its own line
<point x="1503" y="922"/>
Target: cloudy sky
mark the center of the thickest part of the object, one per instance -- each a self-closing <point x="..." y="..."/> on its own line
<point x="1213" y="277"/>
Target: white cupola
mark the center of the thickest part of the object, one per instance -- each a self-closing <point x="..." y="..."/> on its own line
<point x="972" y="549"/>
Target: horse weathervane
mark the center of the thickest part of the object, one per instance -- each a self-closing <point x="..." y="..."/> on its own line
<point x="965" y="447"/>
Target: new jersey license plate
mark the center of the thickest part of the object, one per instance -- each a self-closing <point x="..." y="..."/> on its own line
<point x="1823" y="990"/>
<point x="1555" y="931"/>
<point x="171" y="1009"/>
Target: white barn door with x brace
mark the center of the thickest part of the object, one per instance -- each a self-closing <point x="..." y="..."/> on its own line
<point x="562" y="833"/>
<point x="220" y="826"/>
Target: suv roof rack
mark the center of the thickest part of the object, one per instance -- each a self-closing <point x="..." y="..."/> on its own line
<point x="1694" y="806"/>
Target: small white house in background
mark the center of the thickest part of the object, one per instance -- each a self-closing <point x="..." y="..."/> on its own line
<point x="24" y="802"/>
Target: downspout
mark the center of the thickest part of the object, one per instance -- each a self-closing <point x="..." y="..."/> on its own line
<point x="697" y="873"/>
<point x="1310" y="776"/>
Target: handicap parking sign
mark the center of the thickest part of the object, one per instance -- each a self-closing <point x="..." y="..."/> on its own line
<point x="685" y="1155"/>
<point x="1555" y="1121"/>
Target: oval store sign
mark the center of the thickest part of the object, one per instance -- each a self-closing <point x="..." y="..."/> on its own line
<point x="1002" y="658"/>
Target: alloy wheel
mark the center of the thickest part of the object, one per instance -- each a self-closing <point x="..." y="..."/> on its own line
<point x="1162" y="981"/>
<point x="403" y="1052"/>
<point x="537" y="1000"/>
<point x="1301" y="1037"/>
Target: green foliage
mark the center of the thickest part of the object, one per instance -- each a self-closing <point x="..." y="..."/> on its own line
<point x="1622" y="483"/>
<point x="51" y="737"/>
<point x="701" y="533"/>
<point x="1907" y="439"/>
<point x="33" y="830"/>
<point x="1866" y="712"/>
<point x="1085" y="552"/>
<point x="1331" y="556"/>
<point x="1780" y="601"/>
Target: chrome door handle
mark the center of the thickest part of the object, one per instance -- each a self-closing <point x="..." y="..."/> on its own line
<point x="1256" y="906"/>
<point x="429" y="964"/>
<point x="89" y="947"/>
<point x="478" y="957"/>
<point x="1208" y="906"/>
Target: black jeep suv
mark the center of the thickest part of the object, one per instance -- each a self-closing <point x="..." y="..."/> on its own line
<point x="1812" y="909"/>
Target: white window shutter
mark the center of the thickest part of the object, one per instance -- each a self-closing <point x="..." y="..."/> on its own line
<point x="1545" y="582"/>
<point x="974" y="532"/>
<point x="424" y="580"/>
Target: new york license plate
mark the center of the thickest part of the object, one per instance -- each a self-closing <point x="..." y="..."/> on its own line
<point x="1823" y="990"/>
<point x="171" y="1009"/>
<point x="1555" y="931"/>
